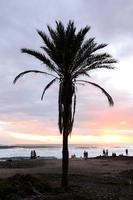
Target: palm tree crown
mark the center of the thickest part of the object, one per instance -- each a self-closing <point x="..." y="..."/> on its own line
<point x="67" y="55"/>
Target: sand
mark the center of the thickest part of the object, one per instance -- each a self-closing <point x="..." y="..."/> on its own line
<point x="87" y="167"/>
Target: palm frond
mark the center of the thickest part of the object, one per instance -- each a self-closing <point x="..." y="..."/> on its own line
<point x="74" y="109"/>
<point x="41" y="57"/>
<point x="53" y="56"/>
<point x="34" y="53"/>
<point x="60" y="28"/>
<point x="81" y="34"/>
<point x="96" y="63"/>
<point x="100" y="65"/>
<point x="96" y="66"/>
<point x="70" y="29"/>
<point x="31" y="71"/>
<point x="53" y="34"/>
<point x="110" y="100"/>
<point x="47" y="86"/>
<point x="79" y="73"/>
<point x="46" y="40"/>
<point x="98" y="47"/>
<point x="60" y="109"/>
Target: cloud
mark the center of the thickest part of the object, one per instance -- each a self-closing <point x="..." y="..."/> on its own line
<point x="111" y="23"/>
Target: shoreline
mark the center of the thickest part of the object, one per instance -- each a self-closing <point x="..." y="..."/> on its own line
<point x="120" y="157"/>
<point x="81" y="166"/>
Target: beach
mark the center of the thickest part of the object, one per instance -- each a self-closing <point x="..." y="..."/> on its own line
<point x="100" y="166"/>
<point x="108" y="177"/>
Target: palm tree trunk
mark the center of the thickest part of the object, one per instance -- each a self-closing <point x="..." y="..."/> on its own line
<point x="67" y="93"/>
<point x="65" y="162"/>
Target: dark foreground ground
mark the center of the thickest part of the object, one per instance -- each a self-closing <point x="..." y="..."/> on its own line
<point x="92" y="179"/>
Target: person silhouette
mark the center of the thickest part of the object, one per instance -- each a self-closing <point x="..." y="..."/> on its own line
<point x="106" y="153"/>
<point x="126" y="152"/>
<point x="33" y="154"/>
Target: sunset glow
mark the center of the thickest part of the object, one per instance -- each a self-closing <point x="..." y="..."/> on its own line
<point x="76" y="139"/>
<point x="24" y="118"/>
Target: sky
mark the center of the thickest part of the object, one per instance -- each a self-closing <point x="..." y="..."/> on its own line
<point x="24" y="118"/>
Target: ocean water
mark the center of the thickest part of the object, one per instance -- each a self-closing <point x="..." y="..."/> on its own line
<point x="56" y="151"/>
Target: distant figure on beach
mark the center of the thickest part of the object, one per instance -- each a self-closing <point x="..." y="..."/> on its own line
<point x="33" y="154"/>
<point x="113" y="154"/>
<point x="103" y="152"/>
<point x="106" y="153"/>
<point x="85" y="155"/>
<point x="73" y="156"/>
<point x="126" y="152"/>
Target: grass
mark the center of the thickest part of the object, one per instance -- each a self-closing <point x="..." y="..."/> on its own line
<point x="21" y="186"/>
<point x="47" y="187"/>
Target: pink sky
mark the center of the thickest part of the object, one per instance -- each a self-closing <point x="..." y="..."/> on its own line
<point x="23" y="117"/>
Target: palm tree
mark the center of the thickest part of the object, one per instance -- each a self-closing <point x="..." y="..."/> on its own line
<point x="68" y="56"/>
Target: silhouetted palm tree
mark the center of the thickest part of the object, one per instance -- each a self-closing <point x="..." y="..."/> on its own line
<point x="69" y="56"/>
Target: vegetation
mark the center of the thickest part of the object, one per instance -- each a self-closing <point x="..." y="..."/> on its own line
<point x="68" y="56"/>
<point x="21" y="186"/>
<point x="45" y="187"/>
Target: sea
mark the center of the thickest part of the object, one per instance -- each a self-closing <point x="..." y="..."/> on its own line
<point x="50" y="151"/>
